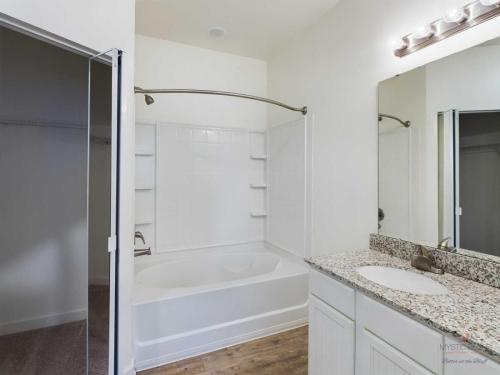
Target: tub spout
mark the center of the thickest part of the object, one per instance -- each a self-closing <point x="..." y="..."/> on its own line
<point x="141" y="252"/>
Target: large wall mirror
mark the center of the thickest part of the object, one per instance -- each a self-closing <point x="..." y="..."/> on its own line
<point x="439" y="152"/>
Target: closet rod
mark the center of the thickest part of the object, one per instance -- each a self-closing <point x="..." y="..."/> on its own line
<point x="150" y="100"/>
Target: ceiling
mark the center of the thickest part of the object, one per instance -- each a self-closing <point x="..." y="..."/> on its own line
<point x="254" y="28"/>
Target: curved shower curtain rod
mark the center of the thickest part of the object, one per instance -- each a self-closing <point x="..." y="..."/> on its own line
<point x="406" y="124"/>
<point x="150" y="100"/>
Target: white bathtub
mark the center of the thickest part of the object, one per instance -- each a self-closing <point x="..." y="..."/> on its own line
<point x="194" y="302"/>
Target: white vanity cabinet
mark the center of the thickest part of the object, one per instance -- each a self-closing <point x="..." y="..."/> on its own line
<point x="380" y="358"/>
<point x="331" y="327"/>
<point x="350" y="333"/>
<point x="389" y="343"/>
<point x="331" y="346"/>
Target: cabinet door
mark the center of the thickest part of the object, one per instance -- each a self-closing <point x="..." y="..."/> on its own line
<point x="376" y="357"/>
<point x="460" y="360"/>
<point x="331" y="340"/>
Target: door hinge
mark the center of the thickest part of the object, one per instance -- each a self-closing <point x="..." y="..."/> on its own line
<point x="111" y="244"/>
<point x="458" y="211"/>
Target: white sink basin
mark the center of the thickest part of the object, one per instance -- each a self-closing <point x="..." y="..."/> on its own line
<point x="405" y="281"/>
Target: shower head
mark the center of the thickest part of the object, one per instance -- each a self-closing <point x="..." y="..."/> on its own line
<point x="148" y="99"/>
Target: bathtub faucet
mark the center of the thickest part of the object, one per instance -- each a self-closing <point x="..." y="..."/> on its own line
<point x="140" y="252"/>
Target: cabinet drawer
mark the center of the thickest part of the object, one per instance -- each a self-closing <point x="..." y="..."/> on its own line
<point x="333" y="292"/>
<point x="413" y="339"/>
<point x="376" y="357"/>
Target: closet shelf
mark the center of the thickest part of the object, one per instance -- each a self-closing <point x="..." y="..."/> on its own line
<point x="258" y="214"/>
<point x="258" y="186"/>
<point x="258" y="157"/>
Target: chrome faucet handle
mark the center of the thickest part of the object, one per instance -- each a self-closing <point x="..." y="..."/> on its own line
<point x="443" y="245"/>
<point x="140" y="236"/>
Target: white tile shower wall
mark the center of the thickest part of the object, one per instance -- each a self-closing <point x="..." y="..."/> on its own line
<point x="203" y="194"/>
<point x="286" y="224"/>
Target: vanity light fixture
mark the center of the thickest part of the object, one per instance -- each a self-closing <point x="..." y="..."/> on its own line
<point x="455" y="21"/>
<point x="487" y="3"/>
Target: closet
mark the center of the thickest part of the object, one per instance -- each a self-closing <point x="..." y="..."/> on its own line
<point x="58" y="140"/>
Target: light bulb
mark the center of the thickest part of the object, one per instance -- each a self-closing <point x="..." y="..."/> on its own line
<point x="398" y="44"/>
<point x="455" y="15"/>
<point x="423" y="32"/>
<point x="488" y="3"/>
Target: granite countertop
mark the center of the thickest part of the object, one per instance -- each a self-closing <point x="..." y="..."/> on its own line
<point x="469" y="310"/>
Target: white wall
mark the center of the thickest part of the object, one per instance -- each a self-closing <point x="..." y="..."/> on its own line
<point x="101" y="25"/>
<point x="334" y="68"/>
<point x="286" y="201"/>
<point x="43" y="277"/>
<point x="165" y="64"/>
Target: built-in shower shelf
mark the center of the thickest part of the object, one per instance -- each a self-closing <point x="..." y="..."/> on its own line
<point x="143" y="188"/>
<point x="258" y="214"/>
<point x="258" y="186"/>
<point x="258" y="157"/>
<point x="145" y="153"/>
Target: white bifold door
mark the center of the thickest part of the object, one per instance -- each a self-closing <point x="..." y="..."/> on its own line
<point x="103" y="167"/>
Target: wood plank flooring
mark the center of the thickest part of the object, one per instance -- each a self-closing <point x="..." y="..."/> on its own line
<point x="281" y="354"/>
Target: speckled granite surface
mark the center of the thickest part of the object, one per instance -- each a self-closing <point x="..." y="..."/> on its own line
<point x="469" y="310"/>
<point x="477" y="268"/>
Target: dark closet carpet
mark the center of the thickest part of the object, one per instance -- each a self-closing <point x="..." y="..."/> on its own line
<point x="62" y="349"/>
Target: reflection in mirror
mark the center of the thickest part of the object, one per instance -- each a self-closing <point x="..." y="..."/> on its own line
<point x="439" y="153"/>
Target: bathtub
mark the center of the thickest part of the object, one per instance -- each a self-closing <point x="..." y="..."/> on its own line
<point x="194" y="302"/>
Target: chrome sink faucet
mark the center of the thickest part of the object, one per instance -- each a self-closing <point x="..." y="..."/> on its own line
<point x="422" y="260"/>
<point x="141" y="252"/>
<point x="443" y="245"/>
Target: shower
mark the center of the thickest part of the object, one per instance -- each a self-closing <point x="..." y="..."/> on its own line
<point x="148" y="99"/>
<point x="406" y="124"/>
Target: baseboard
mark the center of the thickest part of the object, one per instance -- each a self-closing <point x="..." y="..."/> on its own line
<point x="130" y="369"/>
<point x="42" y="322"/>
